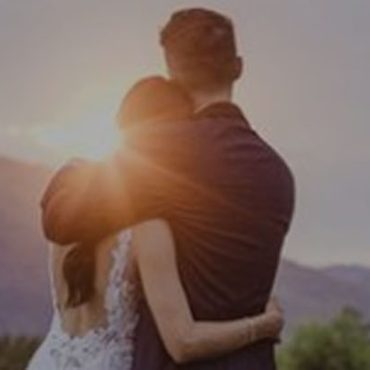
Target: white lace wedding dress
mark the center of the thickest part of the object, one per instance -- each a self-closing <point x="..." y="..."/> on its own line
<point x="108" y="347"/>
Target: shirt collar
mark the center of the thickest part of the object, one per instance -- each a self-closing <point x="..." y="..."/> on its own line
<point x="224" y="110"/>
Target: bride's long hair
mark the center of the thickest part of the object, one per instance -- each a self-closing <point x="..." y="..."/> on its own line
<point x="151" y="100"/>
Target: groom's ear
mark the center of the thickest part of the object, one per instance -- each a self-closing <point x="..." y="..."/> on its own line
<point x="238" y="68"/>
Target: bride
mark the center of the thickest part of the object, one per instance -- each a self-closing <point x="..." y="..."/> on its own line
<point x="96" y="288"/>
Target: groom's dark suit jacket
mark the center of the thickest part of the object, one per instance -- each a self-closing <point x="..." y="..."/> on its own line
<point x="228" y="197"/>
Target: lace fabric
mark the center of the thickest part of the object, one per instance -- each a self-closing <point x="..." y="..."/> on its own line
<point x="106" y="347"/>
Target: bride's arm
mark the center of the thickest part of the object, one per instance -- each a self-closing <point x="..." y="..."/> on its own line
<point x="184" y="338"/>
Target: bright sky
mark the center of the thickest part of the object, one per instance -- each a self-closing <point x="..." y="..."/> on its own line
<point x="65" y="65"/>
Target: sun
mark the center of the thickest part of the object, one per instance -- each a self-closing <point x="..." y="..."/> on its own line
<point x="84" y="127"/>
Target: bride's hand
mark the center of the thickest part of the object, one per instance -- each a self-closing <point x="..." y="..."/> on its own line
<point x="269" y="324"/>
<point x="274" y="316"/>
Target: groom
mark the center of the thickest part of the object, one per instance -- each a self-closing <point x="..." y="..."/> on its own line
<point x="226" y="193"/>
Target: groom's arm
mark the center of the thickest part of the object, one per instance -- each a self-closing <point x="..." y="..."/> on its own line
<point x="89" y="200"/>
<point x="81" y="202"/>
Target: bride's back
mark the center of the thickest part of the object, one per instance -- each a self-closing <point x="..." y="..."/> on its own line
<point x="98" y="333"/>
<point x="77" y="321"/>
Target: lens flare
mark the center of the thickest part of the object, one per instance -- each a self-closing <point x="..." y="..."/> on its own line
<point x="94" y="138"/>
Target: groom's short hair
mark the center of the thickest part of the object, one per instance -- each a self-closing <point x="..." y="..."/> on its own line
<point x="202" y="42"/>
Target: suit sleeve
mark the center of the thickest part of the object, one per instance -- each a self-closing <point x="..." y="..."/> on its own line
<point x="87" y="201"/>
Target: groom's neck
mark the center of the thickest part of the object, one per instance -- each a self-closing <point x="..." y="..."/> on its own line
<point x="204" y="99"/>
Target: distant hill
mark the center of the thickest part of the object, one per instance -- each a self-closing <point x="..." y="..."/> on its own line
<point x="357" y="275"/>
<point x="23" y="273"/>
<point x="311" y="294"/>
<point x="307" y="293"/>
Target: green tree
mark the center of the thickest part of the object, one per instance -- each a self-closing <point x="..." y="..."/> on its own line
<point x="15" y="352"/>
<point x="342" y="344"/>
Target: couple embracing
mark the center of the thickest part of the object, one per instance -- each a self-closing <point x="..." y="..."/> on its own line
<point x="164" y="257"/>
